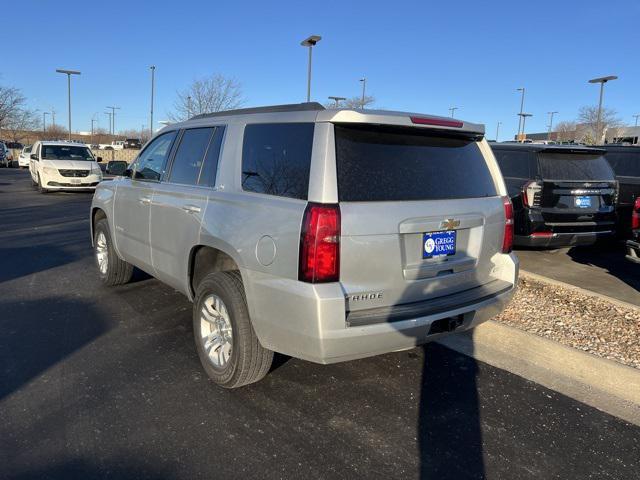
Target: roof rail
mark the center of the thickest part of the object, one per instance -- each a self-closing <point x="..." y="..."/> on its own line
<point x="292" y="107"/>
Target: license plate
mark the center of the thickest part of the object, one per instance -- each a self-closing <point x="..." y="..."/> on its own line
<point x="583" y="202"/>
<point x="437" y="244"/>
<point x="75" y="180"/>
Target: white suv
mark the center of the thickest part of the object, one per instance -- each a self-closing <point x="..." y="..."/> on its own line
<point x="63" y="166"/>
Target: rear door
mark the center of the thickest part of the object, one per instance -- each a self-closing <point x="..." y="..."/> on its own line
<point x="421" y="214"/>
<point x="180" y="201"/>
<point x="578" y="190"/>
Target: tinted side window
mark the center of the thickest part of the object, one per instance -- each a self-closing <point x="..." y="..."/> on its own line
<point x="514" y="164"/>
<point x="382" y="163"/>
<point x="210" y="168"/>
<point x="625" y="164"/>
<point x="187" y="161"/>
<point x="150" y="164"/>
<point x="276" y="159"/>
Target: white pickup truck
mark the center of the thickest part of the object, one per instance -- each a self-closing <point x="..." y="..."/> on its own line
<point x="115" y="145"/>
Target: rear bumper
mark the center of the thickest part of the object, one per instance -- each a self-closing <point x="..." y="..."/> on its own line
<point x="563" y="239"/>
<point x="309" y="321"/>
<point x="633" y="251"/>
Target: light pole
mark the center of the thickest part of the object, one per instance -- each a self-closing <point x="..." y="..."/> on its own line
<point x="601" y="81"/>
<point x="44" y="123"/>
<point x="521" y="89"/>
<point x="636" y="117"/>
<point x="337" y="100"/>
<point x="109" y="115"/>
<point x="453" y="110"/>
<point x="498" y="130"/>
<point x="551" y="114"/>
<point x="524" y="121"/>
<point x="53" y="116"/>
<point x="153" y="80"/>
<point x="113" y="119"/>
<point x="188" y="107"/>
<point x="364" y="87"/>
<point x="93" y="120"/>
<point x="310" y="42"/>
<point x="68" y="73"/>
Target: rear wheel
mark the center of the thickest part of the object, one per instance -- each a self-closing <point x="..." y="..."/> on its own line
<point x="227" y="345"/>
<point x="112" y="270"/>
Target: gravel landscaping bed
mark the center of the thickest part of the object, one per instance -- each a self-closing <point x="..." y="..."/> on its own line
<point x="569" y="317"/>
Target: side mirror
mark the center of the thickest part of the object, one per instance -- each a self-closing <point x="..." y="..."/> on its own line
<point x="98" y="159"/>
<point x="34" y="156"/>
<point x="118" y="168"/>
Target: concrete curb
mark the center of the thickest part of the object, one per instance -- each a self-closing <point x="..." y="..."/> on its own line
<point x="606" y="385"/>
<point x="590" y="293"/>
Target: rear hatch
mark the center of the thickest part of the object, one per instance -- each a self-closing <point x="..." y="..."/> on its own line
<point x="578" y="191"/>
<point x="421" y="214"/>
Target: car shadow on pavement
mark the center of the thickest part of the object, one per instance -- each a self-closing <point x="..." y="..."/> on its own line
<point x="91" y="469"/>
<point x="26" y="260"/>
<point x="37" y="334"/>
<point x="611" y="259"/>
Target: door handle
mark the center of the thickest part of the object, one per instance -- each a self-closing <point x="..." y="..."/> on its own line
<point x="191" y="208"/>
<point x="145" y="200"/>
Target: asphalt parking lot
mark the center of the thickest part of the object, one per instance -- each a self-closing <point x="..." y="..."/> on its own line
<point x="105" y="383"/>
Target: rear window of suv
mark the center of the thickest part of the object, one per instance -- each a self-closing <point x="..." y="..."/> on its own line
<point x="378" y="163"/>
<point x="579" y="167"/>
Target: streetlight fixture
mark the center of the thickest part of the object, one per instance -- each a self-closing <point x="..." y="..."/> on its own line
<point x="601" y="81"/>
<point x="524" y="121"/>
<point x="521" y="89"/>
<point x="453" y="110"/>
<point x="113" y="119"/>
<point x="337" y="100"/>
<point x="44" y="122"/>
<point x="68" y="73"/>
<point x="551" y="114"/>
<point x="310" y="42"/>
<point x="153" y="79"/>
<point x="364" y="87"/>
<point x="498" y="130"/>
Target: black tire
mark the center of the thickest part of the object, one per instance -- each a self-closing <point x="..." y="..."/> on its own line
<point x="249" y="361"/>
<point x="41" y="189"/>
<point x="118" y="272"/>
<point x="33" y="182"/>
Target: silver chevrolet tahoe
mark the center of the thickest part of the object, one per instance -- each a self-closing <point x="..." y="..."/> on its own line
<point x="322" y="234"/>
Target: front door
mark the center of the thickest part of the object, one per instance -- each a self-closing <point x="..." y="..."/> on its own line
<point x="133" y="200"/>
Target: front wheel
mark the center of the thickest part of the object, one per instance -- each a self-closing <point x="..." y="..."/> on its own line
<point x="112" y="270"/>
<point x="227" y="345"/>
<point x="41" y="189"/>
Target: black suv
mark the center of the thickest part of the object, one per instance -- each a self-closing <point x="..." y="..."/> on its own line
<point x="562" y="195"/>
<point x="132" y="143"/>
<point x="625" y="161"/>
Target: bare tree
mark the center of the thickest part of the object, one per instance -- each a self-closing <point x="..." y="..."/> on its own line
<point x="21" y="123"/>
<point x="588" y="118"/>
<point x="55" y="132"/>
<point x="207" y="95"/>
<point x="353" y="102"/>
<point x="566" y="131"/>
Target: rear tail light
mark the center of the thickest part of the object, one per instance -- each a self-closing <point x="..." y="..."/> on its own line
<point x="635" y="216"/>
<point x="320" y="244"/>
<point x="507" y="242"/>
<point x="529" y="192"/>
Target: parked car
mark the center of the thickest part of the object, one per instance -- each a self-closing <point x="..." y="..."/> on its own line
<point x="115" y="145"/>
<point x="24" y="157"/>
<point x="63" y="166"/>
<point x="134" y="143"/>
<point x="14" y="145"/>
<point x="562" y="195"/>
<point x="293" y="229"/>
<point x="625" y="161"/>
<point x="5" y="156"/>
<point x="633" y="245"/>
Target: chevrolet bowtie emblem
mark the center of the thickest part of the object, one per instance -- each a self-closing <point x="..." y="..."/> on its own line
<point x="449" y="224"/>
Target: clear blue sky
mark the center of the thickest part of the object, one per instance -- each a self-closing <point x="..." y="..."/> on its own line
<point x="419" y="56"/>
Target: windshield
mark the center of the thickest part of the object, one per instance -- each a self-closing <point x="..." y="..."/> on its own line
<point x="579" y="167"/>
<point x="378" y="163"/>
<point x="66" y="152"/>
